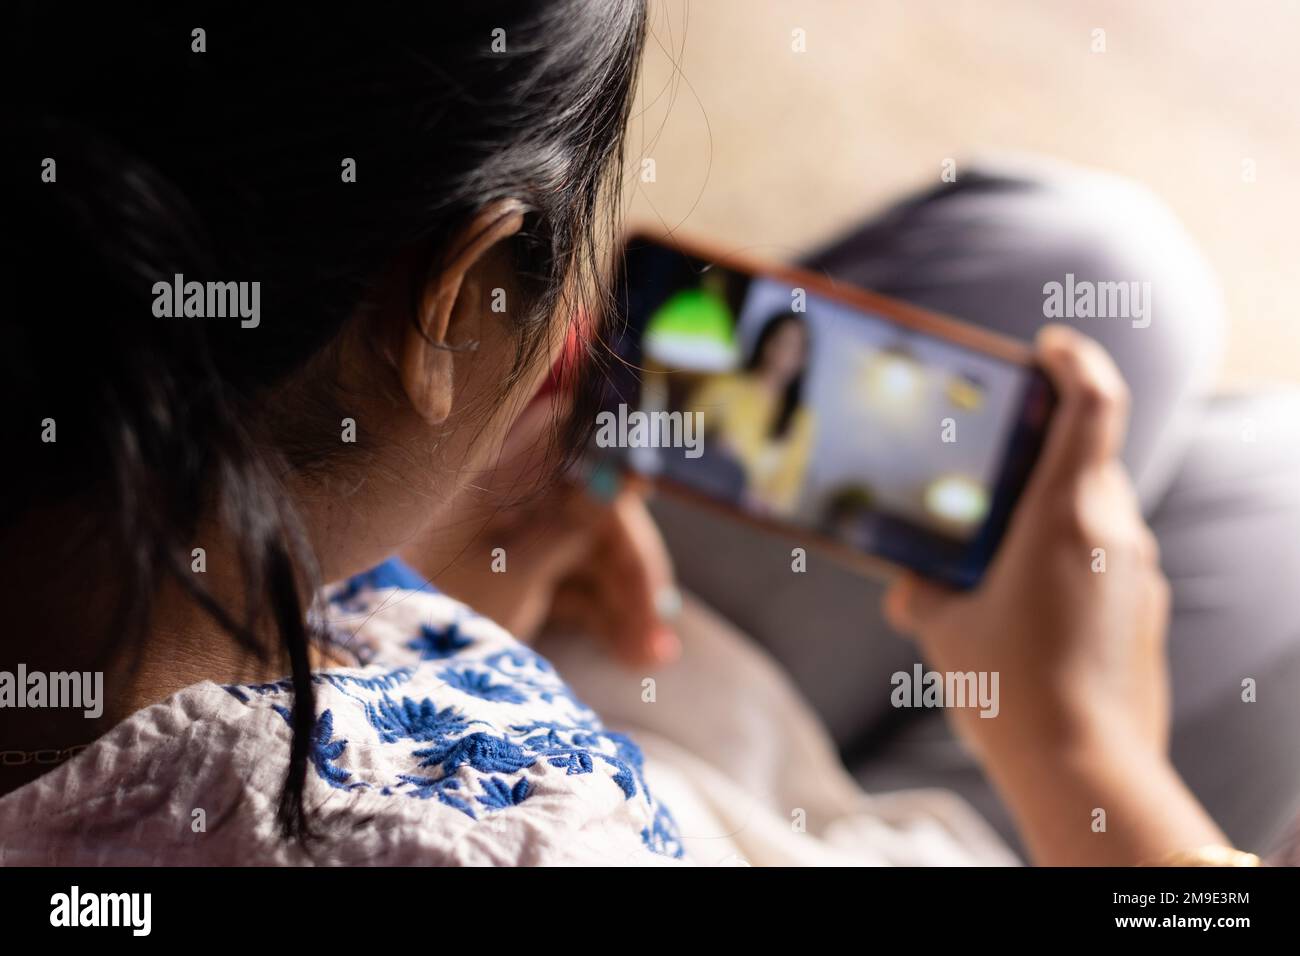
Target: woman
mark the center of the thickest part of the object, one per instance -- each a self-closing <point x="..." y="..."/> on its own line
<point x="759" y="415"/>
<point x="418" y="205"/>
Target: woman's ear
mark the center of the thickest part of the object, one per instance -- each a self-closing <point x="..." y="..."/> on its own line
<point x="452" y="307"/>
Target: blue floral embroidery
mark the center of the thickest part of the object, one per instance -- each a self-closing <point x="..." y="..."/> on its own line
<point x="577" y="762"/>
<point x="625" y="778"/>
<point x="394" y="678"/>
<point x="351" y="595"/>
<point x="575" y="747"/>
<point x="498" y="794"/>
<point x="483" y="752"/>
<point x="261" y="690"/>
<point x="661" y="836"/>
<point x="439" y="789"/>
<point x="520" y="658"/>
<point x="439" y="643"/>
<point x="529" y="670"/>
<point x="325" y="750"/>
<point x="387" y="681"/>
<point x="471" y="765"/>
<point x="479" y="684"/>
<point x="413" y="720"/>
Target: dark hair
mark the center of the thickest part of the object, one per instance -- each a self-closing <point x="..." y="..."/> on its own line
<point x="226" y="164"/>
<point x="793" y="393"/>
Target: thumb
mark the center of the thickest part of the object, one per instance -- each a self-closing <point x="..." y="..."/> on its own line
<point x="911" y="603"/>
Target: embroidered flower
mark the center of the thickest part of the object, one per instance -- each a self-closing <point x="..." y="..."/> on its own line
<point x="479" y="684"/>
<point x="414" y="720"/>
<point x="484" y="752"/>
<point x="439" y="643"/>
<point x="498" y="794"/>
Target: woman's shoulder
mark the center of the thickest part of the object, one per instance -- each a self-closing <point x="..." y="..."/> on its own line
<point x="449" y="742"/>
<point x="450" y="712"/>
<point x="453" y="725"/>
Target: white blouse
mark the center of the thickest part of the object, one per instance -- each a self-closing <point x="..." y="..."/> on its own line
<point x="452" y="743"/>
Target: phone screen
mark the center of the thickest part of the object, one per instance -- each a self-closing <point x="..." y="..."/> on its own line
<point x="805" y="411"/>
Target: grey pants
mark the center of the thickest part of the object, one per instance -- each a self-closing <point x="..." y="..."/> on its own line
<point x="1219" y="478"/>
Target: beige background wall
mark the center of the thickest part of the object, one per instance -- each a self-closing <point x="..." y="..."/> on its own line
<point x="769" y="150"/>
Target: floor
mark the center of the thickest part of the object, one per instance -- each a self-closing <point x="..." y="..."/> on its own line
<point x="766" y="147"/>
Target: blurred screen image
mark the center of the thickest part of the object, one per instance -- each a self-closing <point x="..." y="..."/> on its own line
<point x="800" y="408"/>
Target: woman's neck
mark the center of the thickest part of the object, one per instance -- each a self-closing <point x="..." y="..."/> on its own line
<point x="64" y="638"/>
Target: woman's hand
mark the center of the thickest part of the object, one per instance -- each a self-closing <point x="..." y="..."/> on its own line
<point x="571" y="562"/>
<point x="1072" y="615"/>
<point x="559" y="557"/>
<point x="622" y="591"/>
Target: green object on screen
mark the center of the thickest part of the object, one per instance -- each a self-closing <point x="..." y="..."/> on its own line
<point x="693" y="331"/>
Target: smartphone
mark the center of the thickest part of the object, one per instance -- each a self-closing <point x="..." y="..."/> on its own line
<point x="856" y="424"/>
